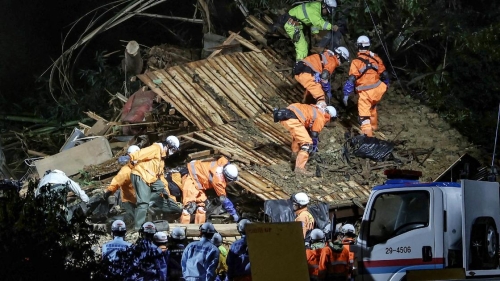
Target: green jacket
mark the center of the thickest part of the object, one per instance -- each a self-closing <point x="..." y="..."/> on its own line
<point x="310" y="15"/>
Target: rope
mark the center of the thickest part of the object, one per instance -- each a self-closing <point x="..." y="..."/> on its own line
<point x="383" y="46"/>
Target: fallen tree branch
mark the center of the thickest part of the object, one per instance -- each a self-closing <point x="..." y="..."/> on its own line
<point x="193" y="20"/>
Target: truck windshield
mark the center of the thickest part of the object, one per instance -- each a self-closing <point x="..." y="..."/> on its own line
<point x="393" y="214"/>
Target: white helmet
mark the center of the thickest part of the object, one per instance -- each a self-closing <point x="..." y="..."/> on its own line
<point x="317" y="234"/>
<point x="363" y="41"/>
<point x="331" y="3"/>
<point x="58" y="172"/>
<point x="173" y="144"/>
<point x="118" y="225"/>
<point x="207" y="227"/>
<point x="148" y="227"/>
<point x="342" y="52"/>
<point x="331" y="111"/>
<point x="178" y="233"/>
<point x="216" y="239"/>
<point x="160" y="237"/>
<point x="230" y="172"/>
<point x="348" y="228"/>
<point x="242" y="225"/>
<point x="132" y="149"/>
<point x="300" y="198"/>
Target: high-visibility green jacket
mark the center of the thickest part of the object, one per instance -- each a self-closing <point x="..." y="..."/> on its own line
<point x="310" y="15"/>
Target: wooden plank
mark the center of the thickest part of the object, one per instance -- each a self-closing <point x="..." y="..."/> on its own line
<point x="186" y="97"/>
<point x="210" y="137"/>
<point x="193" y="230"/>
<point x="255" y="35"/>
<point x="218" y="93"/>
<point x="72" y="160"/>
<point x="235" y="89"/>
<point x="238" y="72"/>
<point x="166" y="95"/>
<point x="245" y="42"/>
<point x="226" y="42"/>
<point x="226" y="93"/>
<point x="191" y="107"/>
<point x="206" y="90"/>
<point x="201" y="154"/>
<point x="211" y="108"/>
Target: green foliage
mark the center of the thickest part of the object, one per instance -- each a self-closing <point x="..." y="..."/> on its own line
<point x="39" y="244"/>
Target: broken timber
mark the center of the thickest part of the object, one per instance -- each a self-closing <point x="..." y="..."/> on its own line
<point x="230" y="99"/>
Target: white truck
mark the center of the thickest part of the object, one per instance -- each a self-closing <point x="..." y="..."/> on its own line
<point x="409" y="225"/>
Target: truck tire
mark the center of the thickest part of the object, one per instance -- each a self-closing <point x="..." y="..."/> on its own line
<point x="484" y="244"/>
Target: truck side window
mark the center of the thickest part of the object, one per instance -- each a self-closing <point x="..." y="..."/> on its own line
<point x="397" y="213"/>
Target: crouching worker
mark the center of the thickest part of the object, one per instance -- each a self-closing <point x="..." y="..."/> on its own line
<point x="200" y="177"/>
<point x="55" y="186"/>
<point x="304" y="122"/>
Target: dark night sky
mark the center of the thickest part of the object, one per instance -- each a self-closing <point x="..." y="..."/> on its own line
<point x="31" y="32"/>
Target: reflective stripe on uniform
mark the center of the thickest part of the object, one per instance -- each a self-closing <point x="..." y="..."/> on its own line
<point x="313" y="266"/>
<point x="324" y="61"/>
<point x="304" y="10"/>
<point x="368" y="87"/>
<point x="195" y="175"/>
<point x="298" y="112"/>
<point x="310" y="65"/>
<point x="338" y="262"/>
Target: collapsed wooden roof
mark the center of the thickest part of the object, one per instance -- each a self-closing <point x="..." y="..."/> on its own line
<point x="230" y="99"/>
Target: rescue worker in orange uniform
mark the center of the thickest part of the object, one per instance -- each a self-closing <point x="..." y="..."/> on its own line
<point x="348" y="233"/>
<point x="202" y="176"/>
<point x="334" y="262"/>
<point x="314" y="72"/>
<point x="313" y="253"/>
<point x="304" y="122"/>
<point x="299" y="202"/>
<point x="127" y="192"/>
<point x="147" y="175"/>
<point x="368" y="74"/>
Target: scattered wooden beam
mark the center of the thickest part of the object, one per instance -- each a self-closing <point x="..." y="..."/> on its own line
<point x="245" y="42"/>
<point x="193" y="20"/>
<point x="225" y="43"/>
<point x="193" y="230"/>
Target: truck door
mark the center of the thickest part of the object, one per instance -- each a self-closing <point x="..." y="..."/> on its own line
<point x="480" y="223"/>
<point x="399" y="233"/>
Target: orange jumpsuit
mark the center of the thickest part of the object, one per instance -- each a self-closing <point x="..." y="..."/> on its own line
<point x="347" y="242"/>
<point x="317" y="63"/>
<point x="369" y="88"/>
<point x="334" y="264"/>
<point x="122" y="181"/>
<point x="313" y="256"/>
<point x="306" y="219"/>
<point x="309" y="118"/>
<point x="202" y="176"/>
<point x="149" y="164"/>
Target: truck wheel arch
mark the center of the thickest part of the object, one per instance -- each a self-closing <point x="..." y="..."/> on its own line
<point x="483" y="246"/>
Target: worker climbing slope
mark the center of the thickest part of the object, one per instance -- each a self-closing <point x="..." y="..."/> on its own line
<point x="314" y="72"/>
<point x="369" y="77"/>
<point x="309" y="14"/>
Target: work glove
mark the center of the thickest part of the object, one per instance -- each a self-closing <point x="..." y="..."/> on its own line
<point x="228" y="206"/>
<point x="106" y="195"/>
<point x="335" y="27"/>
<point x="236" y="218"/>
<point x="123" y="160"/>
<point x="317" y="77"/>
<point x="346" y="98"/>
<point x="348" y="87"/>
<point x="386" y="81"/>
<point x="314" y="148"/>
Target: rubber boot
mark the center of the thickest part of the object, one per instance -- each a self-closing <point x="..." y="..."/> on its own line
<point x="200" y="217"/>
<point x="374" y="119"/>
<point x="185" y="217"/>
<point x="367" y="130"/>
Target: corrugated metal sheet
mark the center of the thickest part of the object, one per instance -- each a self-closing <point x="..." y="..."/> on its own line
<point x="230" y="99"/>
